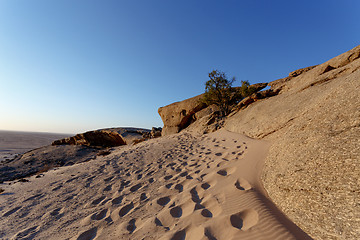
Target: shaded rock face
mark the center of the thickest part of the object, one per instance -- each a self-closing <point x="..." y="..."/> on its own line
<point x="312" y="170"/>
<point x="110" y="137"/>
<point x="94" y="138"/>
<point x="179" y="115"/>
<point x="156" y="132"/>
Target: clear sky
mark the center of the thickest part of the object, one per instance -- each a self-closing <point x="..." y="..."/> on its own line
<point x="76" y="65"/>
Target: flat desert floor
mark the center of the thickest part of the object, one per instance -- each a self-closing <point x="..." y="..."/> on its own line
<point x="184" y="186"/>
<point x="13" y="143"/>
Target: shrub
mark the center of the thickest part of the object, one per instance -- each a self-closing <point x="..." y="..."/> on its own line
<point x="219" y="91"/>
<point x="246" y="90"/>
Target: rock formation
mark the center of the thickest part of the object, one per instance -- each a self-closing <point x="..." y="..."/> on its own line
<point x="178" y="116"/>
<point x="43" y="159"/>
<point x="110" y="137"/>
<point x="312" y="170"/>
<point x="312" y="119"/>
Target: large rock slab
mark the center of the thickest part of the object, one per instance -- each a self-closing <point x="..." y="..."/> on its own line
<point x="312" y="170"/>
<point x="109" y="137"/>
<point x="179" y="115"/>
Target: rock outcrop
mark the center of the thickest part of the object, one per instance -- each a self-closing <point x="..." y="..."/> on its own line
<point x="312" y="119"/>
<point x="110" y="137"/>
<point x="43" y="159"/>
<point x="178" y="116"/>
<point x="312" y="170"/>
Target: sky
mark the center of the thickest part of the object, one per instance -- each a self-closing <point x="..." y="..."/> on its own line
<point x="72" y="66"/>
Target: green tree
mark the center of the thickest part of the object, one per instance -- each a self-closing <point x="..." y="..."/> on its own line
<point x="219" y="91"/>
<point x="246" y="90"/>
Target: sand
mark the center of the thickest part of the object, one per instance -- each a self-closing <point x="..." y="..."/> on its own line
<point x="183" y="186"/>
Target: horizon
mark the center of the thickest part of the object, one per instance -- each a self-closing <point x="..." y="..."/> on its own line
<point x="71" y="67"/>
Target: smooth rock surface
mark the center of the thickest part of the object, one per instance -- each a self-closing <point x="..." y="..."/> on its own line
<point x="312" y="170"/>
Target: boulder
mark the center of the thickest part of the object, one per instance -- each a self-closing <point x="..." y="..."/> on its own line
<point x="110" y="137"/>
<point x="155" y="132"/>
<point x="179" y="115"/>
<point x="312" y="169"/>
<point x="101" y="138"/>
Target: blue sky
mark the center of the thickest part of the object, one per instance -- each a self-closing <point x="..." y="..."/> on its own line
<point x="72" y="66"/>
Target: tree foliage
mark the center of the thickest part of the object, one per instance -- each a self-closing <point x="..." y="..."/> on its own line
<point x="219" y="91"/>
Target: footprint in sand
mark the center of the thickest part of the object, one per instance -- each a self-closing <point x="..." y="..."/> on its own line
<point x="131" y="226"/>
<point x="35" y="197"/>
<point x="55" y="212"/>
<point x="28" y="233"/>
<point x="100" y="215"/>
<point x="126" y="209"/>
<point x="117" y="200"/>
<point x="98" y="200"/>
<point x="179" y="187"/>
<point x="183" y="174"/>
<point x="242" y="184"/>
<point x="198" y="206"/>
<point x="170" y="165"/>
<point x="57" y="188"/>
<point x="11" y="211"/>
<point x="143" y="197"/>
<point x="180" y="235"/>
<point x="108" y="188"/>
<point x="194" y="195"/>
<point x="163" y="201"/>
<point x="135" y="187"/>
<point x="108" y="179"/>
<point x="222" y="172"/>
<point x="168" y="177"/>
<point x="168" y="186"/>
<point x="176" y="212"/>
<point x="158" y="222"/>
<point x="244" y="220"/>
<point x="206" y="213"/>
<point x="208" y="234"/>
<point x="205" y="186"/>
<point x="88" y="235"/>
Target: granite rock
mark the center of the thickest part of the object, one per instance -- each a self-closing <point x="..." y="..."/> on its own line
<point x="312" y="169"/>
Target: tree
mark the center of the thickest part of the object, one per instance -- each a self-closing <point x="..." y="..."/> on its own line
<point x="219" y="91"/>
<point x="246" y="90"/>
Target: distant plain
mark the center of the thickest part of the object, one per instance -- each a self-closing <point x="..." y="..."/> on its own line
<point x="13" y="143"/>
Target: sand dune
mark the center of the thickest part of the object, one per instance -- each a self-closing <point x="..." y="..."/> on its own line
<point x="183" y="186"/>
